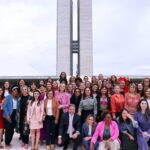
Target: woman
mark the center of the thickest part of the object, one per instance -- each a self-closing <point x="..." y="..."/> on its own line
<point x="94" y="80"/>
<point x="108" y="133"/>
<point x="7" y="89"/>
<point x="55" y="86"/>
<point x="63" y="78"/>
<point x="9" y="113"/>
<point x="82" y="87"/>
<point x="88" y="84"/>
<point x="94" y="90"/>
<point x="63" y="98"/>
<point x="88" y="130"/>
<point x="113" y="80"/>
<point x="142" y="116"/>
<point x="33" y="88"/>
<point x="48" y="86"/>
<point x="88" y="105"/>
<point x="72" y="79"/>
<point x="42" y="97"/>
<point x="140" y="90"/>
<point x="50" y="80"/>
<point x="21" y="83"/>
<point x="147" y="96"/>
<point x="146" y="83"/>
<point x="103" y="103"/>
<point x="127" y="131"/>
<point x="2" y="99"/>
<point x="35" y="114"/>
<point x="52" y="115"/>
<point x="99" y="83"/>
<point x="23" y="103"/>
<point x="76" y="98"/>
<point x="85" y="79"/>
<point x="41" y="83"/>
<point x="117" y="102"/>
<point x="109" y="88"/>
<point x="70" y="89"/>
<point x="132" y="99"/>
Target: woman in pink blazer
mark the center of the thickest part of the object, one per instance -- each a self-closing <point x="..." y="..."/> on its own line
<point x="63" y="98"/>
<point x="35" y="114"/>
<point x="108" y="132"/>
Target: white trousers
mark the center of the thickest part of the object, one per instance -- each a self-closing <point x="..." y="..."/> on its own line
<point x="114" y="145"/>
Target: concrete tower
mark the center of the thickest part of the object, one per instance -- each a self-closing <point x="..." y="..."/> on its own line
<point x="65" y="44"/>
<point x="64" y="18"/>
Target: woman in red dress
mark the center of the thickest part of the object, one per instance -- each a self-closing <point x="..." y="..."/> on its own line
<point x="1" y="116"/>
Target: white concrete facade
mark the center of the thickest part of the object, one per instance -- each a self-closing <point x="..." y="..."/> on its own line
<point x="64" y="13"/>
<point x="64" y="37"/>
<point x="85" y="37"/>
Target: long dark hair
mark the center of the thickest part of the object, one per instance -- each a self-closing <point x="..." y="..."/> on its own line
<point x="121" y="120"/>
<point x="2" y="96"/>
<point x="33" y="98"/>
<point x="147" y="111"/>
<point x="9" y="89"/>
<point x="105" y="113"/>
<point x="84" y="95"/>
<point x="100" y="92"/>
<point x="145" y="97"/>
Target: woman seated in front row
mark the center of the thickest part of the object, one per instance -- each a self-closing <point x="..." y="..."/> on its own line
<point x="127" y="128"/>
<point x="88" y="129"/>
<point x="142" y="116"/>
<point x="108" y="132"/>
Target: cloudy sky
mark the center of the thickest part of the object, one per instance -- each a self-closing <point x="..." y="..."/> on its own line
<point x="121" y="37"/>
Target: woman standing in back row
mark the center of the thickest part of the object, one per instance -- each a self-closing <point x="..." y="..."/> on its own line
<point x="117" y="102"/>
<point x="88" y="105"/>
<point x="1" y="116"/>
<point x="132" y="99"/>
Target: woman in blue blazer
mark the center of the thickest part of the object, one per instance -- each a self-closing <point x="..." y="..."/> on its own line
<point x="9" y="113"/>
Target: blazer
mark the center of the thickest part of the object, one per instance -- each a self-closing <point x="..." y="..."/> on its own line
<point x="98" y="103"/>
<point x="55" y="109"/>
<point x="8" y="106"/>
<point x="35" y="112"/>
<point x="126" y="127"/>
<point x="117" y="103"/>
<point x="65" y="100"/>
<point x="64" y="124"/>
<point x="85" y="130"/>
<point x="114" y="131"/>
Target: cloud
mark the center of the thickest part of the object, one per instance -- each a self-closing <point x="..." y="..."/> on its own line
<point x="28" y="35"/>
<point x="121" y="36"/>
<point x="120" y="30"/>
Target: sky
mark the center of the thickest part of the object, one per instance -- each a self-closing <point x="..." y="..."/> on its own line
<point x="121" y="37"/>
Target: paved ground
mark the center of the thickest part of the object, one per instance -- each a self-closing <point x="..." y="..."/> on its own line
<point x="16" y="145"/>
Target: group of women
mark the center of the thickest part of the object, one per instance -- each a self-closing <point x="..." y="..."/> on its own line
<point x="114" y="112"/>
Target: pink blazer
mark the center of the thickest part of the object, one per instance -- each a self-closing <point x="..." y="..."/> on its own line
<point x="65" y="100"/>
<point x="34" y="112"/>
<point x="114" y="131"/>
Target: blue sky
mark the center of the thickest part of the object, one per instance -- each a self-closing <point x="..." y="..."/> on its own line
<point x="121" y="37"/>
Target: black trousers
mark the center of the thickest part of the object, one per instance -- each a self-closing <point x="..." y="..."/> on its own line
<point x="66" y="139"/>
<point x="50" y="129"/>
<point x="24" y="138"/>
<point x="9" y="128"/>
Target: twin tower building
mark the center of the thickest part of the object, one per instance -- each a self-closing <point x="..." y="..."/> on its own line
<point x="67" y="46"/>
